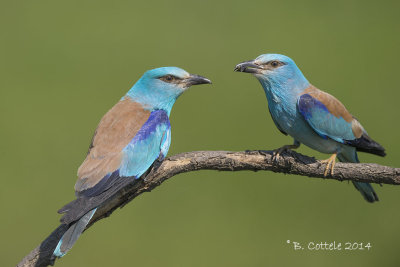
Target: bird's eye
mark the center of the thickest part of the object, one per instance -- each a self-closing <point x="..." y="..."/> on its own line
<point x="274" y="64"/>
<point x="168" y="78"/>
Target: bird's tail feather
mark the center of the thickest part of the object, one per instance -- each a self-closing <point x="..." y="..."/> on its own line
<point x="366" y="190"/>
<point x="72" y="234"/>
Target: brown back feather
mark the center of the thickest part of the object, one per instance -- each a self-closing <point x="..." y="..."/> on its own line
<point x="362" y="141"/>
<point x="336" y="108"/>
<point x="115" y="130"/>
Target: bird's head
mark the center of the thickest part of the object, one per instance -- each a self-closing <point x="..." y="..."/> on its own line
<point x="159" y="88"/>
<point x="273" y="69"/>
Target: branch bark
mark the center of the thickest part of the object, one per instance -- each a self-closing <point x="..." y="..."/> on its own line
<point x="290" y="162"/>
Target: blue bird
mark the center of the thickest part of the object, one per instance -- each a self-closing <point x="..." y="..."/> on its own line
<point x="311" y="116"/>
<point x="130" y="137"/>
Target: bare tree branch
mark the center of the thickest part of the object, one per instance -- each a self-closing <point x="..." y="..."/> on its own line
<point x="290" y="162"/>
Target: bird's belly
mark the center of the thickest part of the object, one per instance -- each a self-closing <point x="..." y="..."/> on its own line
<point x="293" y="123"/>
<point x="311" y="139"/>
<point x="300" y="130"/>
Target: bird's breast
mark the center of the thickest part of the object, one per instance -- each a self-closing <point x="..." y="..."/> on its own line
<point x="283" y="110"/>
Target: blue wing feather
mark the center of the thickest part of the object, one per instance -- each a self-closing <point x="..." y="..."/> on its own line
<point x="322" y="121"/>
<point x="151" y="140"/>
<point x="166" y="142"/>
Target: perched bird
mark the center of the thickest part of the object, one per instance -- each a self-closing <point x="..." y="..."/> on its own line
<point x="311" y="116"/>
<point x="130" y="137"/>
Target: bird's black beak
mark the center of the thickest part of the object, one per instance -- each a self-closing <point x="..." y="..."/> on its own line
<point x="248" y="66"/>
<point x="196" y="79"/>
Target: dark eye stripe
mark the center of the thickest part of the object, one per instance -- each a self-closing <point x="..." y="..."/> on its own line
<point x="170" y="78"/>
<point x="275" y="63"/>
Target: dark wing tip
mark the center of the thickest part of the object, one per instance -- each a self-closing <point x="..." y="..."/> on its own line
<point x="366" y="144"/>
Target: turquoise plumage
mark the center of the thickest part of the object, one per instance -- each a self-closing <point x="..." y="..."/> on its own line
<point x="151" y="142"/>
<point x="322" y="121"/>
<point x="311" y="116"/>
<point x="134" y="134"/>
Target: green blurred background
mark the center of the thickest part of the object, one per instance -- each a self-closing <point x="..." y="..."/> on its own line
<point x="65" y="63"/>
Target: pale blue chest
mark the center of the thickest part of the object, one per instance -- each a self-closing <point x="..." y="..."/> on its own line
<point x="282" y="108"/>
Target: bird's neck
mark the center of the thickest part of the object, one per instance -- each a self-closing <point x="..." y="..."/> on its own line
<point x="283" y="88"/>
<point x="152" y="99"/>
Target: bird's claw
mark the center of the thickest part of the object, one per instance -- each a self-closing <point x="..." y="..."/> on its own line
<point x="330" y="164"/>
<point x="276" y="155"/>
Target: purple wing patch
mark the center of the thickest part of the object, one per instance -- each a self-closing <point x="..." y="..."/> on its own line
<point x="156" y="118"/>
<point x="307" y="105"/>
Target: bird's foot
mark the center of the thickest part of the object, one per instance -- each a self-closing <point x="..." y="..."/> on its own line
<point x="330" y="164"/>
<point x="277" y="152"/>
